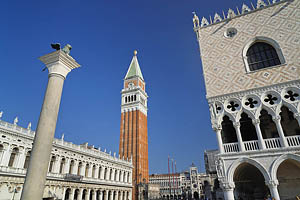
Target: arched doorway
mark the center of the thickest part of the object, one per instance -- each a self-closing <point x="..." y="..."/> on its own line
<point x="288" y="175"/>
<point x="196" y="195"/>
<point x="249" y="182"/>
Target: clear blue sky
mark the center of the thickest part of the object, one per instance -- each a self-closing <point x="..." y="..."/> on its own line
<point x="103" y="34"/>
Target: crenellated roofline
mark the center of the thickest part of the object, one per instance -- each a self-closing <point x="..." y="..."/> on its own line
<point x="231" y="14"/>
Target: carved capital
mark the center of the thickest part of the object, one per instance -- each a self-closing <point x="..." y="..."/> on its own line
<point x="228" y="185"/>
<point x="237" y="124"/>
<point x="276" y="118"/>
<point x="256" y="121"/>
<point x="297" y="115"/>
<point x="216" y="127"/>
<point x="272" y="183"/>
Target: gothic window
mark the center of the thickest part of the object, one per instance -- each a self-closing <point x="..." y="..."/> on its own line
<point x="228" y="131"/>
<point x="267" y="125"/>
<point x="13" y="157"/>
<point x="99" y="172"/>
<point x="262" y="55"/>
<point x="288" y="122"/>
<point x="27" y="158"/>
<point x="125" y="99"/>
<point x="247" y="128"/>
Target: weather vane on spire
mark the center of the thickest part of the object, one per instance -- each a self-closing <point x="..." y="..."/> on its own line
<point x="135" y="52"/>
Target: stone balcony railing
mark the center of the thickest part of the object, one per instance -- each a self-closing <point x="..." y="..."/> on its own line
<point x="71" y="177"/>
<point x="272" y="143"/>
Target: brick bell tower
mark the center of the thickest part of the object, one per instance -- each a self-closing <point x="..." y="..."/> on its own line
<point x="133" y="129"/>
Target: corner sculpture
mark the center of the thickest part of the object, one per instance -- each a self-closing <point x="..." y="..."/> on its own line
<point x="66" y="49"/>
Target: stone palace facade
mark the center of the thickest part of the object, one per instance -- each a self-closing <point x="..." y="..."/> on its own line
<point x="251" y="66"/>
<point x="76" y="172"/>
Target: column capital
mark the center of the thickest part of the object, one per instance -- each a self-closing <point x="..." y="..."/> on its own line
<point x="272" y="183"/>
<point x="236" y="124"/>
<point x="297" y="115"/>
<point x="276" y="118"/>
<point x="256" y="121"/>
<point x="227" y="186"/>
<point x="58" y="62"/>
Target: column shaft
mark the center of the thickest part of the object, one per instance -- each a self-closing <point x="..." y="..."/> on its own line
<point x="239" y="136"/>
<point x="40" y="154"/>
<point x="261" y="142"/>
<point x="228" y="194"/>
<point x="277" y="120"/>
<point x="219" y="139"/>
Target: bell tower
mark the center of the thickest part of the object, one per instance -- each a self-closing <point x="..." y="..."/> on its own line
<point x="133" y="128"/>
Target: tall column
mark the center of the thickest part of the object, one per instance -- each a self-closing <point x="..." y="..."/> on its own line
<point x="75" y="167"/>
<point x="121" y="179"/>
<point x="72" y="193"/>
<point x="101" y="195"/>
<point x="261" y="142"/>
<point x="121" y="195"/>
<point x="94" y="195"/>
<point x="218" y="131"/>
<point x="79" y="197"/>
<point x="5" y="156"/>
<point x="118" y="175"/>
<point x="59" y="64"/>
<point x="57" y="164"/>
<point x="237" y="127"/>
<point x="67" y="166"/>
<point x="102" y="172"/>
<point x="88" y="193"/>
<point x="106" y="195"/>
<point x="277" y="120"/>
<point x="96" y="172"/>
<point x="21" y="158"/>
<point x="64" y="193"/>
<point x="82" y="170"/>
<point x="111" y="195"/>
<point x="129" y="196"/>
<point x="107" y="174"/>
<point x="113" y="175"/>
<point x="272" y="184"/>
<point x="89" y="174"/>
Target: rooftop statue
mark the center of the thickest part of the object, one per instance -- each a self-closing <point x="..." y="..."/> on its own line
<point x="66" y="49"/>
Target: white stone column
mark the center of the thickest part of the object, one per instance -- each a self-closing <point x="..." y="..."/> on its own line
<point x="72" y="193"/>
<point x="272" y="184"/>
<point x="228" y="194"/>
<point x="129" y="195"/>
<point x="277" y="120"/>
<point x="21" y="160"/>
<point x="75" y="167"/>
<point x="106" y="195"/>
<point x="89" y="174"/>
<point x="96" y="172"/>
<point x="121" y="179"/>
<point x="297" y="116"/>
<point x="88" y="193"/>
<point x="6" y="155"/>
<point x="261" y="141"/>
<point x="121" y="195"/>
<point x="67" y="166"/>
<point x="113" y="175"/>
<point x="125" y="178"/>
<point x="219" y="139"/>
<point x="101" y="195"/>
<point x="59" y="64"/>
<point x="102" y="173"/>
<point x="64" y="193"/>
<point x="117" y="175"/>
<point x="79" y="197"/>
<point x="111" y="195"/>
<point x="107" y="174"/>
<point x="237" y="127"/>
<point x="82" y="170"/>
<point x="94" y="195"/>
<point x="56" y="164"/>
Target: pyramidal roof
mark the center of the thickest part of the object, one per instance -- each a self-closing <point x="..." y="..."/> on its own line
<point x="134" y="68"/>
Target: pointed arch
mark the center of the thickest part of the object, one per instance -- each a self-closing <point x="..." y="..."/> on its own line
<point x="281" y="159"/>
<point x="256" y="164"/>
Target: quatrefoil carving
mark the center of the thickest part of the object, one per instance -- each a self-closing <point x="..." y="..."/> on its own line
<point x="271" y="99"/>
<point x="251" y="102"/>
<point x="291" y="95"/>
<point x="232" y="106"/>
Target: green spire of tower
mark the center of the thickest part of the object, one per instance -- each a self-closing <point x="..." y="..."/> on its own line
<point x="134" y="68"/>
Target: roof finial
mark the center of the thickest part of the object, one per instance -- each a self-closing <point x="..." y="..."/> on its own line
<point x="135" y="52"/>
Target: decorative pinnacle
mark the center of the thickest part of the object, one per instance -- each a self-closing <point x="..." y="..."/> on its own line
<point x="135" y="52"/>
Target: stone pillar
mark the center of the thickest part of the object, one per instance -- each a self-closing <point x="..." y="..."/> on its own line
<point x="67" y="166"/>
<point x="96" y="172"/>
<point x="56" y="164"/>
<point x="101" y="195"/>
<point x="117" y="175"/>
<point x="88" y="193"/>
<point x="22" y="157"/>
<point x="111" y="195"/>
<point x="102" y="173"/>
<point x="107" y="174"/>
<point x="219" y="139"/>
<point x="89" y="174"/>
<point x="277" y="120"/>
<point x="129" y="196"/>
<point x="113" y="175"/>
<point x="297" y="116"/>
<point x="121" y="179"/>
<point x="79" y="197"/>
<point x="261" y="141"/>
<point x="72" y="194"/>
<point x="82" y="170"/>
<point x="94" y="195"/>
<point x="237" y="127"/>
<point x="121" y="195"/>
<point x="6" y="155"/>
<point x="75" y="167"/>
<point x="64" y="193"/>
<point x="106" y="195"/>
<point x="272" y="184"/>
<point x="59" y="65"/>
<point x="228" y="188"/>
